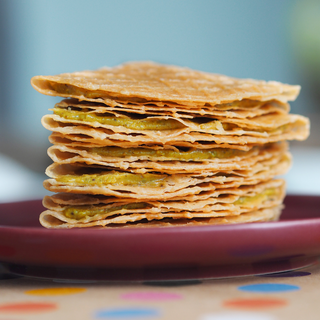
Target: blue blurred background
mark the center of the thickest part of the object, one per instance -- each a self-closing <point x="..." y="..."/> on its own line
<point x="270" y="40"/>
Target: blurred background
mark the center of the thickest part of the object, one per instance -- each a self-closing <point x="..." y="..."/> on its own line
<point x="270" y="40"/>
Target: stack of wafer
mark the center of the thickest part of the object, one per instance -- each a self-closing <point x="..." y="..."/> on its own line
<point x="144" y="145"/>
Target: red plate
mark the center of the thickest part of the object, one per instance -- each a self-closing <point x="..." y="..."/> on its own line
<point x="159" y="253"/>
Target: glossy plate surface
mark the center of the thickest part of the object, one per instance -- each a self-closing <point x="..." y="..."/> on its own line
<point x="159" y="253"/>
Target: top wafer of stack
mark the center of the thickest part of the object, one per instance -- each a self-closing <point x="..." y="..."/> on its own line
<point x="144" y="144"/>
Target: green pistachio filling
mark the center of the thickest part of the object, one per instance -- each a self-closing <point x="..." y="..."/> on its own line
<point x="71" y="90"/>
<point x="259" y="198"/>
<point x="134" y="124"/>
<point x="149" y="180"/>
<point x="167" y="154"/>
<point x="80" y="212"/>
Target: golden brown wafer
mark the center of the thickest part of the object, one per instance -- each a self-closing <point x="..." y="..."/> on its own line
<point x="107" y="211"/>
<point x="154" y="82"/>
<point x="150" y="145"/>
<point x="239" y="109"/>
<point x="169" y="186"/>
<point x="261" y="215"/>
<point x="231" y="159"/>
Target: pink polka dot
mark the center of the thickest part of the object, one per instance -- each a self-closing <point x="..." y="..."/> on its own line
<point x="148" y="295"/>
<point x="27" y="307"/>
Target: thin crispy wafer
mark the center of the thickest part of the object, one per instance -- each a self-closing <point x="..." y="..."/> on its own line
<point x="92" y="140"/>
<point x="155" y="82"/>
<point x="261" y="215"/>
<point x="140" y="163"/>
<point x="295" y="127"/>
<point x="172" y="186"/>
<point x="108" y="211"/>
<point x="239" y="109"/>
<point x="263" y="125"/>
<point x="122" y="147"/>
<point x="227" y="195"/>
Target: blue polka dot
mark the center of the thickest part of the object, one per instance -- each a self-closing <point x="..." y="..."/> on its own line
<point x="123" y="313"/>
<point x="269" y="287"/>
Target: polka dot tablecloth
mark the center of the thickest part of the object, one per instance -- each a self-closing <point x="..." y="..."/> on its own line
<point x="286" y="295"/>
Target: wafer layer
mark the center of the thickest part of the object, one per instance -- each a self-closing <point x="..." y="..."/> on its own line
<point x="167" y="130"/>
<point x="155" y="82"/>
<point x="66" y="211"/>
<point x="149" y="145"/>
<point x="97" y="180"/>
<point x="159" y="159"/>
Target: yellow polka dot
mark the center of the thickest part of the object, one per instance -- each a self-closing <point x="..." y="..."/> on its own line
<point x="55" y="291"/>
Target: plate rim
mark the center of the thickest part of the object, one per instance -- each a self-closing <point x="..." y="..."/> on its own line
<point x="306" y="230"/>
<point x="171" y="229"/>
